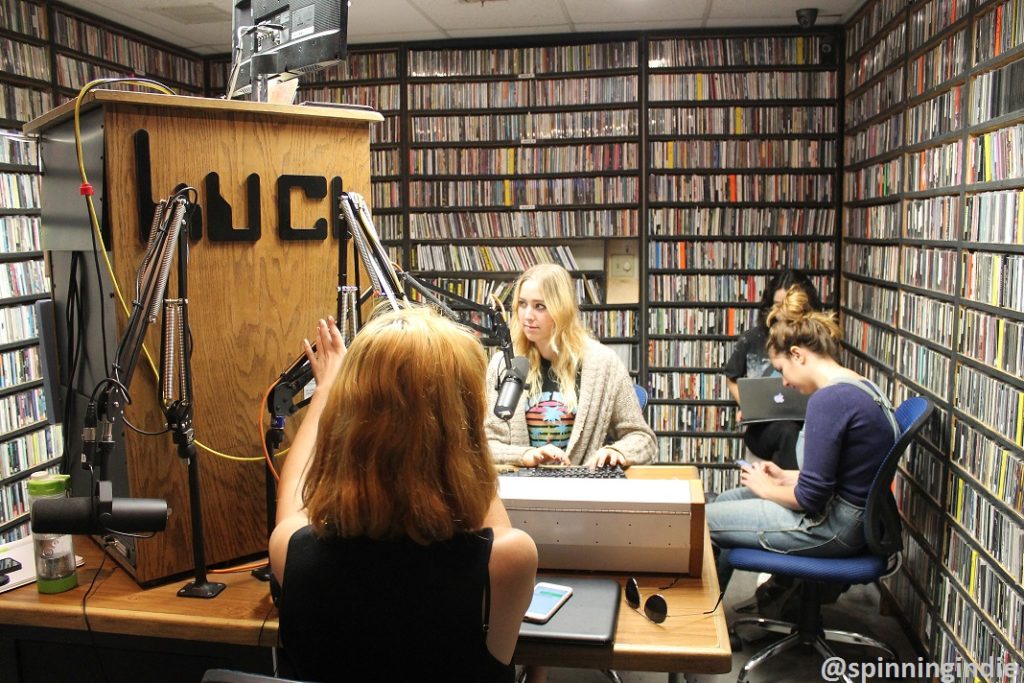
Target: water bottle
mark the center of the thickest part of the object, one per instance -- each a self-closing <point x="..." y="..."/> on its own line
<point x="55" y="553"/>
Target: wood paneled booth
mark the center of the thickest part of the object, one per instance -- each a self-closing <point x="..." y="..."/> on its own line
<point x="263" y="266"/>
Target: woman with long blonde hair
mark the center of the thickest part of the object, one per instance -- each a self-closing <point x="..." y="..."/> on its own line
<point x="390" y="533"/>
<point x="581" y="407"/>
<point x="849" y="428"/>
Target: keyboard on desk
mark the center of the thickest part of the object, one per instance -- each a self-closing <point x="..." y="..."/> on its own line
<point x="572" y="471"/>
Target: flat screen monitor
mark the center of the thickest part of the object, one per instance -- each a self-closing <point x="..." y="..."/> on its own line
<point x="285" y="39"/>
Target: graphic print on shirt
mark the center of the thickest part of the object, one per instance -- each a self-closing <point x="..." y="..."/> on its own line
<point x="548" y="420"/>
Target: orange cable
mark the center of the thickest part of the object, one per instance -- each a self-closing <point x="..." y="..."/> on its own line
<point x="241" y="568"/>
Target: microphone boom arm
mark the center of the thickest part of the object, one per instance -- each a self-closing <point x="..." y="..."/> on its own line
<point x="494" y="328"/>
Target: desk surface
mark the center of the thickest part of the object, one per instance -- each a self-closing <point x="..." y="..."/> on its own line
<point x="244" y="615"/>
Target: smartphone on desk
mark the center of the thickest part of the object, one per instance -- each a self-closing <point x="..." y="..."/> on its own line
<point x="547" y="598"/>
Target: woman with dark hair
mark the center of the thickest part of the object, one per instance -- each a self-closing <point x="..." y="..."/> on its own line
<point x="395" y="556"/>
<point x="817" y="510"/>
<point x="776" y="440"/>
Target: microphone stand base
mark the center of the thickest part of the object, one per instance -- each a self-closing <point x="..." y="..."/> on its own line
<point x="205" y="589"/>
<point x="262" y="573"/>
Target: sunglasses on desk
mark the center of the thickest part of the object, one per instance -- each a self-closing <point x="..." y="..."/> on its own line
<point x="655" y="606"/>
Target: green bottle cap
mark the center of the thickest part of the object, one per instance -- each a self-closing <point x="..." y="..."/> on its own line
<point x="47" y="484"/>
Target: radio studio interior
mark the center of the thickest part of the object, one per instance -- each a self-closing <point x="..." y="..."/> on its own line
<point x="540" y="340"/>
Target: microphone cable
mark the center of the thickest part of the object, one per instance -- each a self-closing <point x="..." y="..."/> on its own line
<point x="85" y="614"/>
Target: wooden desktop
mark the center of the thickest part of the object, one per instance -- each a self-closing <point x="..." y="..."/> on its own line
<point x="237" y="629"/>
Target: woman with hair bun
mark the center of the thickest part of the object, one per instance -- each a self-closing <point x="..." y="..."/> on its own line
<point x="775" y="440"/>
<point x="849" y="427"/>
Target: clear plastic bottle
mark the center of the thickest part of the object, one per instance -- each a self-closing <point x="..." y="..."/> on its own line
<point x="54" y="553"/>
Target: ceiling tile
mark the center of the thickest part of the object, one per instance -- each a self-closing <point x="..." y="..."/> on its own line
<point x="377" y="21"/>
<point x="649" y="13"/>
<point x="513" y="31"/>
<point x="453" y="15"/>
<point x="637" y="25"/>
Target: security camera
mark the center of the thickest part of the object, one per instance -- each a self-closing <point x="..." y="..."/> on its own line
<point x="806" y="17"/>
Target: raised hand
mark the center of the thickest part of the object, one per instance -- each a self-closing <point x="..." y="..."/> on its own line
<point x="325" y="360"/>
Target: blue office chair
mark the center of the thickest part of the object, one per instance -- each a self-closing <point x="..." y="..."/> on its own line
<point x="882" y="529"/>
<point x="641" y="395"/>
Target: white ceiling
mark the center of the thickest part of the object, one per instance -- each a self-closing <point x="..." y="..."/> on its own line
<point x="204" y="26"/>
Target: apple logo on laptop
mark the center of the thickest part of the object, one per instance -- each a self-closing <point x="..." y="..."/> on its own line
<point x="779" y="397"/>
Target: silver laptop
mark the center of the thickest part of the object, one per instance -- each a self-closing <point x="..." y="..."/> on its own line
<point x="764" y="399"/>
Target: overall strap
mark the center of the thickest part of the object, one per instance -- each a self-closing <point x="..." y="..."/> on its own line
<point x="869" y="388"/>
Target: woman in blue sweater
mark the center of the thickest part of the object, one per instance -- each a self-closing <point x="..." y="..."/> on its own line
<point x="817" y="510"/>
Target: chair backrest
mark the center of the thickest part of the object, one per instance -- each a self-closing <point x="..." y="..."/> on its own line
<point x="882" y="525"/>
<point x="641" y="395"/>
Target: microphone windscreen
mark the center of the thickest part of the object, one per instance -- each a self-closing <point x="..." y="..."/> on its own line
<point x="62" y="516"/>
<point x="78" y="515"/>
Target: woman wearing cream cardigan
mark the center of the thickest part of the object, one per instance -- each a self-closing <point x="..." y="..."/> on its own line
<point x="581" y="407"/>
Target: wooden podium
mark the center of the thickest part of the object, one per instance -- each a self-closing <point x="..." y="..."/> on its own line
<point x="258" y="280"/>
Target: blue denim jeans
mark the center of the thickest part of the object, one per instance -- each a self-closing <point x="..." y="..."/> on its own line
<point x="739" y="519"/>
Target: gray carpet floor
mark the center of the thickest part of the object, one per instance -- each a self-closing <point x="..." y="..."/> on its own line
<point x="856" y="610"/>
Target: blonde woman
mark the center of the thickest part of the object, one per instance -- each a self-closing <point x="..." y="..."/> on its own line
<point x="394" y="554"/>
<point x="849" y="427"/>
<point x="581" y="407"/>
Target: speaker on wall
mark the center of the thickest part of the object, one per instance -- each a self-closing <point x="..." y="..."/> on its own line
<point x="827" y="50"/>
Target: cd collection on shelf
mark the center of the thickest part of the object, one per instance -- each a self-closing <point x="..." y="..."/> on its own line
<point x="933" y="184"/>
<point x="716" y="158"/>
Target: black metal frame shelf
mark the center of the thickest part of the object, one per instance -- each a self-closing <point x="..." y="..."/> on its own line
<point x="920" y="389"/>
<point x="23" y="430"/>
<point x="782" y="101"/>
<point x="521" y="207"/>
<point x="24" y="299"/>
<point x="996" y="630"/>
<point x="1008" y="313"/>
<point x="987" y="430"/>
<point x="882" y="31"/>
<point x="18" y="388"/>
<point x="27" y="472"/>
<point x="17" y="256"/>
<point x="28" y="81"/>
<point x="963" y="473"/>
<point x="419" y="176"/>
<point x="529" y="109"/>
<point x="20" y="344"/>
<point x="117" y="66"/>
<point x="24" y="37"/>
<point x="765" y="237"/>
<point x="16" y="521"/>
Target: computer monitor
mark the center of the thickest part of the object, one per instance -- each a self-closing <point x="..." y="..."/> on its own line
<point x="285" y="39"/>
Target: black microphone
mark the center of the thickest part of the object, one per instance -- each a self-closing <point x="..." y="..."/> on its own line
<point x="83" y="515"/>
<point x="511" y="388"/>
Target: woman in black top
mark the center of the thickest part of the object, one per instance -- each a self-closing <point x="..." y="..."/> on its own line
<point x="776" y="440"/>
<point x="395" y="556"/>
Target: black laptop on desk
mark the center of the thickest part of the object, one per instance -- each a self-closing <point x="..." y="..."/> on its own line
<point x="588" y="617"/>
<point x="764" y="399"/>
